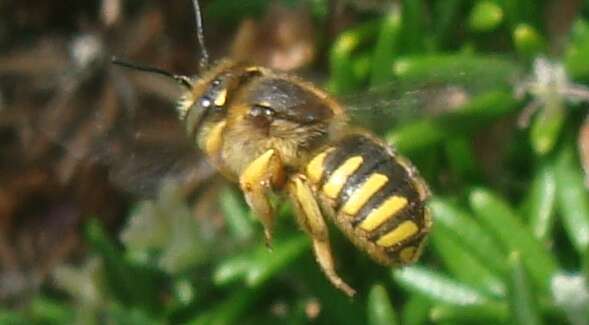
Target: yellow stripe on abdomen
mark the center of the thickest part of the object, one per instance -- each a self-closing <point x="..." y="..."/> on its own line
<point x="384" y="212"/>
<point x="315" y="167"/>
<point x="360" y="196"/>
<point x="338" y="179"/>
<point x="400" y="233"/>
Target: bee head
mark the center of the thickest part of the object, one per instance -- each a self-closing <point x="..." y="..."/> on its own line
<point x="208" y="99"/>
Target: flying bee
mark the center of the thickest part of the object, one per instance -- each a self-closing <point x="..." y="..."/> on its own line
<point x="272" y="132"/>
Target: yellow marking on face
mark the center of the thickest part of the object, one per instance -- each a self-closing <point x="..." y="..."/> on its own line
<point x="361" y="195"/>
<point x="384" y="212"/>
<point x="401" y="232"/>
<point x="407" y="254"/>
<point x="339" y="177"/>
<point x="315" y="167"/>
<point x="215" y="138"/>
<point x="221" y="98"/>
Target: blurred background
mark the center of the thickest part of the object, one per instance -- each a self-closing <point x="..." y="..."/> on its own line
<point x="109" y="215"/>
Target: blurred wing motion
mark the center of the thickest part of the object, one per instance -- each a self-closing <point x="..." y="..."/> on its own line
<point x="130" y="125"/>
<point x="429" y="86"/>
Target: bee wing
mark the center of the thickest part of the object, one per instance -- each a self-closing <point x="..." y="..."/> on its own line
<point x="128" y="125"/>
<point x="383" y="108"/>
<point x="431" y="90"/>
<point x="143" y="167"/>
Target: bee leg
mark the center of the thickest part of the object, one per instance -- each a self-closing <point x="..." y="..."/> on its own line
<point x="311" y="220"/>
<point x="257" y="181"/>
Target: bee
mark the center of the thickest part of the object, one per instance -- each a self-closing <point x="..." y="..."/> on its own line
<point x="272" y="132"/>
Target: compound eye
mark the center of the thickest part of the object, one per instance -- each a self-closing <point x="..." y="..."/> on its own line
<point x="261" y="115"/>
<point x="205" y="102"/>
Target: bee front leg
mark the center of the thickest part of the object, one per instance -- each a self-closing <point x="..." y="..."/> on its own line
<point x="311" y="220"/>
<point x="256" y="182"/>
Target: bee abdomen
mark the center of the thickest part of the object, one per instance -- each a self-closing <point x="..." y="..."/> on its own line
<point x="374" y="196"/>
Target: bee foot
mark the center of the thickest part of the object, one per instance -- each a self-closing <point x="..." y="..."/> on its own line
<point x="268" y="239"/>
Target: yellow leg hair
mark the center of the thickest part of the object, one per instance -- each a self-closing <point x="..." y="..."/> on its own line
<point x="256" y="182"/>
<point x="311" y="220"/>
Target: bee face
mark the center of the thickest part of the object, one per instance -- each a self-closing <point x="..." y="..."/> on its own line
<point x="205" y="102"/>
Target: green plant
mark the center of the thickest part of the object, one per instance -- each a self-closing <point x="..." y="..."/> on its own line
<point x="510" y="242"/>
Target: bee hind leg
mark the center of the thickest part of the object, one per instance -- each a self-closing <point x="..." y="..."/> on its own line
<point x="256" y="182"/>
<point x="311" y="220"/>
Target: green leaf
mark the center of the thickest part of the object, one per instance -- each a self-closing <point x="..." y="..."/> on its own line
<point x="413" y="21"/>
<point x="445" y="14"/>
<point x="380" y="310"/>
<point x="272" y="262"/>
<point x="228" y="311"/>
<point x="386" y="47"/>
<point x="12" y="317"/>
<point x="237" y="216"/>
<point x="342" y="76"/>
<point x="521" y="11"/>
<point x="523" y="304"/>
<point x="485" y="16"/>
<point x="118" y="314"/>
<point x="438" y="287"/>
<point x="257" y="266"/>
<point x="463" y="228"/>
<point x="416" y="310"/>
<point x="183" y="291"/>
<point x="52" y="311"/>
<point x="233" y="268"/>
<point x="527" y="40"/>
<point x="542" y="201"/>
<point x="461" y="157"/>
<point x="463" y="265"/>
<point x="578" y="50"/>
<point x="547" y="124"/>
<point x="573" y="199"/>
<point x="361" y="66"/>
<point x="131" y="284"/>
<point x="498" y="216"/>
<point x="489" y="313"/>
<point x="585" y="268"/>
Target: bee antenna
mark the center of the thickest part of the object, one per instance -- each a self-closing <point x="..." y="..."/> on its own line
<point x="182" y="80"/>
<point x="204" y="55"/>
